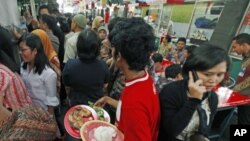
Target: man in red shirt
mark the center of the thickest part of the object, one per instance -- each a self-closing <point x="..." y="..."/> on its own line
<point x="138" y="110"/>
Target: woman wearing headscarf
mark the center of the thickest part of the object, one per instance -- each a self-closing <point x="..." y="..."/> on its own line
<point x="97" y="22"/>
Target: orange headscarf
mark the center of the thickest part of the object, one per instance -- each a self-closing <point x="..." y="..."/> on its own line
<point x="47" y="45"/>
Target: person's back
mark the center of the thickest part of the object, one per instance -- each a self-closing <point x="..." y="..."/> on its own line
<point x="173" y="73"/>
<point x="138" y="110"/>
<point x="141" y="99"/>
<point x="78" y="24"/>
<point x="86" y="80"/>
<point x="87" y="75"/>
<point x="48" y="23"/>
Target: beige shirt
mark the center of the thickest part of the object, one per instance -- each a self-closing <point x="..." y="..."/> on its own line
<point x="70" y="48"/>
<point x="164" y="49"/>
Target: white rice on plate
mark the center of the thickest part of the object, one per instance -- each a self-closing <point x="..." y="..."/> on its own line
<point x="104" y="133"/>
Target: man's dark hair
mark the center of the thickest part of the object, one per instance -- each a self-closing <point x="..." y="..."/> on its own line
<point x="172" y="71"/>
<point x="242" y="38"/>
<point x="64" y="25"/>
<point x="204" y="58"/>
<point x="49" y="20"/>
<point x="190" y="48"/>
<point x="134" y="39"/>
<point x="55" y="11"/>
<point x="114" y="21"/>
<point x="157" y="57"/>
<point x="181" y="39"/>
<point x="44" y="7"/>
<point x="168" y="38"/>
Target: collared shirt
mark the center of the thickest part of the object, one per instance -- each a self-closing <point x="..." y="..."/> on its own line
<point x="70" y="48"/>
<point x="41" y="88"/>
<point x="13" y="89"/>
<point x="181" y="55"/>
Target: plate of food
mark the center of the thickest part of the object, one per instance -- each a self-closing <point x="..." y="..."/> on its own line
<point x="77" y="116"/>
<point x="97" y="130"/>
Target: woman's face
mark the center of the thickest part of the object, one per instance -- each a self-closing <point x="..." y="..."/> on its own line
<point x="102" y="34"/>
<point x="27" y="53"/>
<point x="213" y="76"/>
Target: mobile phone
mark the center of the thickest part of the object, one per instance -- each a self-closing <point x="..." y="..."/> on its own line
<point x="195" y="76"/>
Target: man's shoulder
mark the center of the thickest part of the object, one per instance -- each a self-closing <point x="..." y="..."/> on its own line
<point x="73" y="37"/>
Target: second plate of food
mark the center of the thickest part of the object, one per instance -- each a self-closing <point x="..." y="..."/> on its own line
<point x="76" y="117"/>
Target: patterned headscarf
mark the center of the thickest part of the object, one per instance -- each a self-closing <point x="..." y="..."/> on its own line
<point x="97" y="22"/>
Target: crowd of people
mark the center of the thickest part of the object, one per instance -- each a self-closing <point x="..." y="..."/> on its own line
<point x="150" y="94"/>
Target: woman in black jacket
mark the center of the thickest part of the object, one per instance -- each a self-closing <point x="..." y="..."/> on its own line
<point x="188" y="106"/>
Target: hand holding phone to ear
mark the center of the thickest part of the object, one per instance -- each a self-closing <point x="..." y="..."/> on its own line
<point x="195" y="86"/>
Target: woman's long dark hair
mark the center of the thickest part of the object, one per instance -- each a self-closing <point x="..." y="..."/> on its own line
<point x="8" y="51"/>
<point x="41" y="60"/>
<point x="205" y="57"/>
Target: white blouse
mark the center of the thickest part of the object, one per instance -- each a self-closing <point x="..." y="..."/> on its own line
<point x="41" y="88"/>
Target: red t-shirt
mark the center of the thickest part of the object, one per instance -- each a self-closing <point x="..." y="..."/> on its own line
<point x="138" y="111"/>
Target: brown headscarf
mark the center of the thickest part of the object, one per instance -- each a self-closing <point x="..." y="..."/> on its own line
<point x="47" y="45"/>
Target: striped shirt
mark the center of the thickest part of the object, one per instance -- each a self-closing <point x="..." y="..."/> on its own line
<point x="12" y="89"/>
